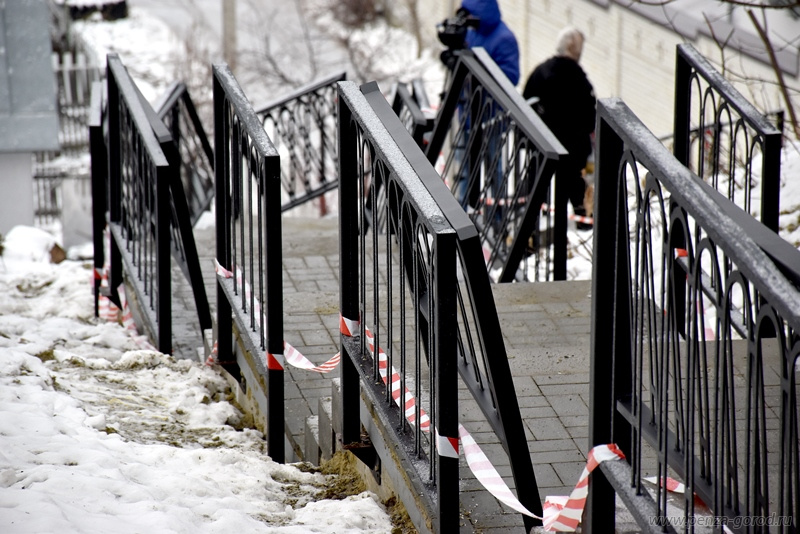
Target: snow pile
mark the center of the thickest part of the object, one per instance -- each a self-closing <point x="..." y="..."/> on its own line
<point x="99" y="436"/>
<point x="146" y="46"/>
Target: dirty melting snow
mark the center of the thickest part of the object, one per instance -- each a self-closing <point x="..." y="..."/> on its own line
<point x="97" y="435"/>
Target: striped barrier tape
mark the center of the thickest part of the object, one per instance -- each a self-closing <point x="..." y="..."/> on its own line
<point x="291" y="355"/>
<point x="572" y="217"/>
<point x="670" y="484"/>
<point x="559" y="514"/>
<point x="294" y="357"/>
<point x="407" y="404"/>
<point x="566" y="518"/>
<point x="212" y="357"/>
<point x="127" y="315"/>
<point x="129" y="324"/>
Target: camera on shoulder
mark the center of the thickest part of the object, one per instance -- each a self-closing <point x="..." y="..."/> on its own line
<point x="452" y="32"/>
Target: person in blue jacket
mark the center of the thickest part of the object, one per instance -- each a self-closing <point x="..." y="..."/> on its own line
<point x="493" y="35"/>
<point x="499" y="41"/>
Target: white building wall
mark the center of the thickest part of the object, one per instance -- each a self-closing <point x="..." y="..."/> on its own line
<point x="16" y="184"/>
<point x="626" y="55"/>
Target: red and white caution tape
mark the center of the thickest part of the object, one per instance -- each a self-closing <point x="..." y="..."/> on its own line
<point x="446" y="446"/>
<point x="127" y="314"/>
<point x="294" y="357"/>
<point x="290" y="354"/>
<point x="406" y="401"/>
<point x="568" y="518"/>
<point x="670" y="484"/>
<point x="560" y="513"/>
<point x="487" y="475"/>
<point x="577" y="218"/>
<point x="128" y="322"/>
<point x="348" y="327"/>
<point x="505" y="201"/>
<point x="107" y="310"/>
<point x="212" y="358"/>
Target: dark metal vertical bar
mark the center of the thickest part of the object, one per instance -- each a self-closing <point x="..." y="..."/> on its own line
<point x="348" y="267"/>
<point x="683" y="74"/>
<point x="771" y="181"/>
<point x="99" y="173"/>
<point x="600" y="507"/>
<point x="560" y="224"/>
<point x="221" y="171"/>
<point x="443" y="358"/>
<point x="271" y="171"/>
<point x="114" y="177"/>
<point x="187" y="242"/>
<point x="163" y="258"/>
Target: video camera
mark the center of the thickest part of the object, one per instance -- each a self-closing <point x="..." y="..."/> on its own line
<point x="452" y="33"/>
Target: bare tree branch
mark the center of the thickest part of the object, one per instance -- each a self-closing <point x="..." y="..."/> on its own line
<point x="743" y="3"/>
<point x="778" y="72"/>
<point x="720" y="44"/>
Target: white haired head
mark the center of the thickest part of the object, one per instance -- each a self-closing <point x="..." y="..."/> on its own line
<point x="570" y="43"/>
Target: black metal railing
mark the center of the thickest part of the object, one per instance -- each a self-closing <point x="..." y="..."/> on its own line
<point x="138" y="186"/>
<point x="722" y="138"/>
<point x="419" y="291"/>
<point x="499" y="159"/>
<point x="99" y="171"/>
<point x="407" y="105"/>
<point x="148" y="214"/>
<point x="694" y="347"/>
<point x="178" y="112"/>
<point x="74" y="78"/>
<point x="302" y="127"/>
<point x="248" y="225"/>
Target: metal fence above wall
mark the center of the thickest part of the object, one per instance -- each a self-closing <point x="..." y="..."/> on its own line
<point x="723" y="139"/>
<point x="148" y="214"/>
<point x="418" y="310"/>
<point x="694" y="348"/>
<point x="499" y="159"/>
<point x="179" y="114"/>
<point x="248" y="226"/>
<point x="302" y="127"/>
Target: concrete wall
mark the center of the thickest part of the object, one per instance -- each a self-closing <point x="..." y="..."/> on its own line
<point x="626" y="54"/>
<point x="16" y="184"/>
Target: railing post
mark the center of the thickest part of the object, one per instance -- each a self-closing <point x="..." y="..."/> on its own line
<point x="273" y="287"/>
<point x="560" y="223"/>
<point x="114" y="181"/>
<point x="610" y="279"/>
<point x="683" y="80"/>
<point x="99" y="173"/>
<point x="348" y="270"/>
<point x="445" y="323"/>
<point x="163" y="260"/>
<point x="221" y="172"/>
<point x="771" y="181"/>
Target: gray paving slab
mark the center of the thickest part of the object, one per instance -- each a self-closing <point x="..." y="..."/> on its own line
<point x="546" y="333"/>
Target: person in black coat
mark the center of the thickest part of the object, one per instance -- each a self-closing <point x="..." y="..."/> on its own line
<point x="567" y="105"/>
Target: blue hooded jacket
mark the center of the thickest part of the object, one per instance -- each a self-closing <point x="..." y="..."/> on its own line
<point x="493" y="35"/>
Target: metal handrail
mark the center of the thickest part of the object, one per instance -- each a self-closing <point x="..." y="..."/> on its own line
<point x="428" y="236"/>
<point x="139" y="175"/>
<point x="148" y="211"/>
<point x="407" y="108"/>
<point x="302" y="127"/>
<point x="177" y="110"/>
<point x="688" y="316"/>
<point x="738" y="132"/>
<point x="248" y="225"/>
<point x="501" y="171"/>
